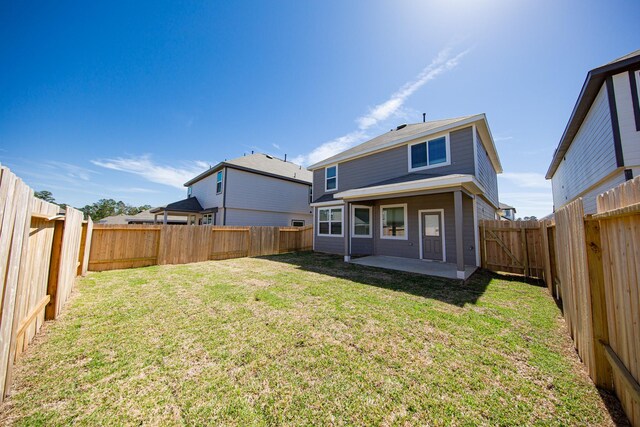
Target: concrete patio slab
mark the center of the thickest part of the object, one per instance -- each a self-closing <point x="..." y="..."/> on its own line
<point x="429" y="268"/>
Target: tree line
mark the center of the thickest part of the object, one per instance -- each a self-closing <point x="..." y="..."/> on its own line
<point x="100" y="209"/>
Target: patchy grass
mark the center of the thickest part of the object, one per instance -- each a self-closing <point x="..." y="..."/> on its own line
<point x="302" y="340"/>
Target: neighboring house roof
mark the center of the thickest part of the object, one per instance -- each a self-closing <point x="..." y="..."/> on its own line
<point x="190" y="204"/>
<point x="262" y="164"/>
<point x="425" y="182"/>
<point x="144" y="216"/>
<point x="504" y="206"/>
<point x="113" y="219"/>
<point x="590" y="88"/>
<point x="409" y="132"/>
<point x="147" y="216"/>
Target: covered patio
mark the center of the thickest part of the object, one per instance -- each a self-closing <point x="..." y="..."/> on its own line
<point x="189" y="208"/>
<point x="450" y="199"/>
<point x="431" y="268"/>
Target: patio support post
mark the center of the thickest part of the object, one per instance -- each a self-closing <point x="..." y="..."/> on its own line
<point x="457" y="204"/>
<point x="155" y="218"/>
<point x="165" y="218"/>
<point x="346" y="231"/>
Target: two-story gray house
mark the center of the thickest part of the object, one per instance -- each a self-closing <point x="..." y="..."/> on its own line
<point x="417" y="191"/>
<point x="256" y="189"/>
<point x="600" y="147"/>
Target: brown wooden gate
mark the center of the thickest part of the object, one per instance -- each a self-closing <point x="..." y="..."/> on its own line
<point x="512" y="247"/>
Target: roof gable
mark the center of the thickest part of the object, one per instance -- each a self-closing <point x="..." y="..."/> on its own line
<point x="395" y="138"/>
<point x="263" y="164"/>
<point x="590" y="88"/>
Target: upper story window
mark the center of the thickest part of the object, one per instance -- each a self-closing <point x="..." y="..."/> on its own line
<point x="189" y="191"/>
<point x="331" y="178"/>
<point x="219" y="182"/>
<point x="429" y="154"/>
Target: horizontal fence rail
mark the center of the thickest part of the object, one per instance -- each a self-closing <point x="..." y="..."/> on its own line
<point x="129" y="246"/>
<point x="41" y="253"/>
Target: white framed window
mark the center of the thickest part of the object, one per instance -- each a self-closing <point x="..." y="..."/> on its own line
<point x="219" y="182"/>
<point x="429" y="154"/>
<point x="207" y="219"/>
<point x="330" y="222"/>
<point x="331" y="178"/>
<point x="297" y="222"/>
<point x="189" y="191"/>
<point x="361" y="217"/>
<point x="393" y="222"/>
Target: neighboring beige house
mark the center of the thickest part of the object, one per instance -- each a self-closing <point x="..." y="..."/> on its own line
<point x="144" y="217"/>
<point x="600" y="147"/>
<point x="507" y="212"/>
<point x="256" y="189"/>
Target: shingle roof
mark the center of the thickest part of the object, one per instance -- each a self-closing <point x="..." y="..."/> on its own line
<point x="325" y="198"/>
<point x="385" y="139"/>
<point x="405" y="178"/>
<point x="147" y="216"/>
<point x="590" y="88"/>
<point x="505" y="206"/>
<point x="261" y="163"/>
<point x="190" y="204"/>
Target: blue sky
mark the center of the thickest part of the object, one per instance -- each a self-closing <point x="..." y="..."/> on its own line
<point x="127" y="100"/>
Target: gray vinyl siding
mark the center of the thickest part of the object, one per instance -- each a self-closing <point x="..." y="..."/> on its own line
<point x="410" y="248"/>
<point x="591" y="156"/>
<point x="485" y="210"/>
<point x="362" y="246"/>
<point x="205" y="191"/>
<point x="250" y="191"/>
<point x="242" y="217"/>
<point x="394" y="162"/>
<point x="589" y="198"/>
<point x="329" y="244"/>
<point x="629" y="136"/>
<point x="486" y="174"/>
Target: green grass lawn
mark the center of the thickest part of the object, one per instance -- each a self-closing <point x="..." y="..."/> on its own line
<point x="302" y="340"/>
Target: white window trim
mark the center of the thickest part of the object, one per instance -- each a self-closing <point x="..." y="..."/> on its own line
<point x="406" y="222"/>
<point x="318" y="222"/>
<point x="444" y="246"/>
<point x="353" y="222"/>
<point x="221" y="174"/>
<point x="297" y="220"/>
<point x="325" y="179"/>
<point x="426" y="141"/>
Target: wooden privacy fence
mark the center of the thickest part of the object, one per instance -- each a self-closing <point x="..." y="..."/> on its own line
<point x="41" y="253"/>
<point x="130" y="246"/>
<point x="591" y="263"/>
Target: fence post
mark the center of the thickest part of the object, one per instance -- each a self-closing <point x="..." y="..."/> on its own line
<point x="525" y="249"/>
<point x="602" y="376"/>
<point x="54" y="271"/>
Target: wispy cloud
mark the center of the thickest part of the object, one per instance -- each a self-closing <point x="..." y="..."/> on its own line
<point x="70" y="170"/>
<point x="162" y="174"/>
<point x="444" y="61"/>
<point x="276" y="146"/>
<point x="526" y="179"/>
<point x="133" y="190"/>
<point x="502" y="138"/>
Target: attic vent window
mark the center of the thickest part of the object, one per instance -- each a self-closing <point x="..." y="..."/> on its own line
<point x="402" y="126"/>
